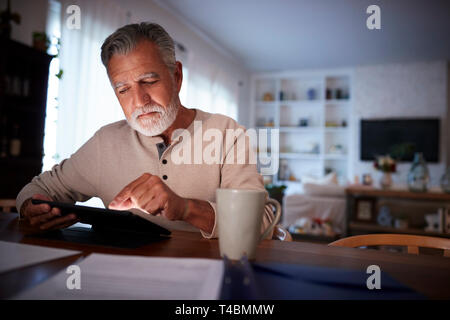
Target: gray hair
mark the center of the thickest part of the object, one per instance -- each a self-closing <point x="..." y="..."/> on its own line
<point x="125" y="39"/>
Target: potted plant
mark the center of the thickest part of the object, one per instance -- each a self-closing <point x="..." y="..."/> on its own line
<point x="387" y="166"/>
<point x="41" y="41"/>
<point x="276" y="192"/>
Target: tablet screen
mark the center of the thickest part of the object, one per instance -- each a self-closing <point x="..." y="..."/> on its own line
<point x="106" y="218"/>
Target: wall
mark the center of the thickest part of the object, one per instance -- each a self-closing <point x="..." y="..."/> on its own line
<point x="401" y="90"/>
<point x="33" y="18"/>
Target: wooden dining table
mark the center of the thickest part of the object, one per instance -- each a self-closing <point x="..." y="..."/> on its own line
<point x="428" y="275"/>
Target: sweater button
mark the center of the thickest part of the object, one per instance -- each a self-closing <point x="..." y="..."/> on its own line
<point x="164" y="177"/>
<point x="164" y="161"/>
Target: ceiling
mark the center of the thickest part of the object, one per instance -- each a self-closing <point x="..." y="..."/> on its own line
<point x="267" y="35"/>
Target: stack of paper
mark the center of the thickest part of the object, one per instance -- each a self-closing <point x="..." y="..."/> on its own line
<point x="129" y="277"/>
<point x="16" y="255"/>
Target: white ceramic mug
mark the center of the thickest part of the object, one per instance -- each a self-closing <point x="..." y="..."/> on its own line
<point x="240" y="213"/>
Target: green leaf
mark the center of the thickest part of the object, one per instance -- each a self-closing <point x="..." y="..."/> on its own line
<point x="59" y="74"/>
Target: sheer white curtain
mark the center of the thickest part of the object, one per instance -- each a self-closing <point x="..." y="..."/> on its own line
<point x="212" y="88"/>
<point x="86" y="99"/>
<point x="182" y="55"/>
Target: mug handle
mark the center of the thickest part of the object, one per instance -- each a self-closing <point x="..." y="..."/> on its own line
<point x="275" y="220"/>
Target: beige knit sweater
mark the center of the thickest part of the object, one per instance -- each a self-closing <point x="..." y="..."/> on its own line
<point x="117" y="155"/>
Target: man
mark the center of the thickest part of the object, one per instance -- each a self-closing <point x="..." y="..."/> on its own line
<point x="129" y="164"/>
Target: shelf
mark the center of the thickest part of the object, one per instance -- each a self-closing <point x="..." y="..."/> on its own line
<point x="289" y="181"/>
<point x="335" y="157"/>
<point x="266" y="103"/>
<point x="298" y="129"/>
<point x="299" y="155"/>
<point x="294" y="129"/>
<point x="21" y="109"/>
<point x="294" y="107"/>
<point x="300" y="103"/>
<point x="289" y="103"/>
<point x="262" y="127"/>
<point x="27" y="70"/>
<point x="336" y="129"/>
<point x="366" y="227"/>
<point x="309" y="156"/>
<point x="21" y="160"/>
<point x="337" y="102"/>
<point x="313" y="238"/>
<point x="14" y="104"/>
<point x="9" y="98"/>
<point x="397" y="194"/>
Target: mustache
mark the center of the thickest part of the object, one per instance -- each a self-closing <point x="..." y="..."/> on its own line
<point x="146" y="109"/>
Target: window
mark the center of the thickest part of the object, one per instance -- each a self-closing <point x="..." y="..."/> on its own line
<point x="54" y="33"/>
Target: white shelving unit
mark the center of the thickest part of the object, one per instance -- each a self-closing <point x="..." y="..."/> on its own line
<point x="312" y="111"/>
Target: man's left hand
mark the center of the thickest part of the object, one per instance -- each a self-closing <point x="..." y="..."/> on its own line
<point x="150" y="194"/>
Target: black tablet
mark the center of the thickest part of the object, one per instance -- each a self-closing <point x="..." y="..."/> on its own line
<point x="107" y="219"/>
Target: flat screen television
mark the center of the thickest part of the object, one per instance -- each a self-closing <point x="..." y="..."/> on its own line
<point x="400" y="138"/>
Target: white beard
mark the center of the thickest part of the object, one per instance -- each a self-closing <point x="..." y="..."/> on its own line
<point x="157" y="124"/>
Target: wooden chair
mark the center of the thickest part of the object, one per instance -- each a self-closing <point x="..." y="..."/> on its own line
<point x="6" y="205"/>
<point x="412" y="242"/>
<point x="280" y="233"/>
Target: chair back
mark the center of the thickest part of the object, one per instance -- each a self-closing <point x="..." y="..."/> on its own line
<point x="280" y="233"/>
<point x="7" y="205"/>
<point x="412" y="242"/>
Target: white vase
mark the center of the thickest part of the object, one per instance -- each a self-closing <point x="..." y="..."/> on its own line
<point x="386" y="180"/>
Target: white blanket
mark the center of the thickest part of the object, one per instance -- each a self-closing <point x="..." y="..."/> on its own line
<point x="296" y="206"/>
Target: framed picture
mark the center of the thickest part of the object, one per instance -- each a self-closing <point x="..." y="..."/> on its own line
<point x="365" y="209"/>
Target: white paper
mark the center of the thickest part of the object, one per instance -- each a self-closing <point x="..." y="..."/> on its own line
<point x="16" y="255"/>
<point x="130" y="277"/>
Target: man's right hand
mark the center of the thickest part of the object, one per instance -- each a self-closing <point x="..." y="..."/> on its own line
<point x="43" y="217"/>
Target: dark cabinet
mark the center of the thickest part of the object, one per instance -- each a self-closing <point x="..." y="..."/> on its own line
<point x="23" y="96"/>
